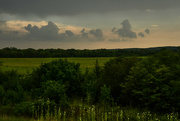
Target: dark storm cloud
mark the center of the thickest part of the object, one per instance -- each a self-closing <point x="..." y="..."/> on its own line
<point x="1" y="31"/>
<point x="48" y="32"/>
<point x="147" y="31"/>
<point x="10" y="35"/>
<point x="97" y="33"/>
<point x="84" y="34"/>
<point x="126" y="34"/>
<point x="6" y="34"/>
<point x="69" y="33"/>
<point x="74" y="7"/>
<point x="113" y="30"/>
<point x="125" y="31"/>
<point x="2" y="23"/>
<point x="141" y="34"/>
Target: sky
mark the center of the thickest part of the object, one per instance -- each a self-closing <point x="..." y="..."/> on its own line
<point x="89" y="24"/>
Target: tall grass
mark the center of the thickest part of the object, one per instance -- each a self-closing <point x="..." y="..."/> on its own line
<point x="86" y="112"/>
<point x="92" y="113"/>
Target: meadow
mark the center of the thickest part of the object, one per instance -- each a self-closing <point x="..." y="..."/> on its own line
<point x="26" y="65"/>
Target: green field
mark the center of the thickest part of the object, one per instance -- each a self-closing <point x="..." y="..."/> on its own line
<point x="24" y="65"/>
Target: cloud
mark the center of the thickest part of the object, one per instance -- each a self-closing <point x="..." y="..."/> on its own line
<point x="2" y="23"/>
<point x="69" y="33"/>
<point x="147" y="31"/>
<point x="125" y="31"/>
<point x="7" y="34"/>
<point x="1" y="31"/>
<point x="97" y="33"/>
<point x="10" y="35"/>
<point x="113" y="30"/>
<point x="74" y="7"/>
<point x="84" y="34"/>
<point x="50" y="32"/>
<point x="154" y="25"/>
<point x="149" y="10"/>
<point x="92" y="35"/>
<point x="119" y="40"/>
<point x="47" y="32"/>
<point x="141" y="34"/>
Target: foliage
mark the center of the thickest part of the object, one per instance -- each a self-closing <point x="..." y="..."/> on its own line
<point x="61" y="71"/>
<point x="55" y="92"/>
<point x="12" y="91"/>
<point x="12" y="52"/>
<point x="105" y="95"/>
<point x="150" y="83"/>
<point x="97" y="69"/>
<point x="114" y="74"/>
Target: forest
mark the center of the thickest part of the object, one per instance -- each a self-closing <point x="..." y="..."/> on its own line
<point x="148" y="83"/>
<point x="12" y="52"/>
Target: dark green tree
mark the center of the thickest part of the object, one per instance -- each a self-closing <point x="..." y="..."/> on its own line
<point x="149" y="84"/>
<point x="97" y="69"/>
<point x="55" y="91"/>
<point x="114" y="73"/>
<point x="61" y="71"/>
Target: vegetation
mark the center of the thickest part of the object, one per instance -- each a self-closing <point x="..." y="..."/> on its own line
<point x="12" y="52"/>
<point x="26" y="65"/>
<point x="126" y="88"/>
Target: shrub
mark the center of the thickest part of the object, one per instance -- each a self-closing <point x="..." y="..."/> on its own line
<point x="60" y="71"/>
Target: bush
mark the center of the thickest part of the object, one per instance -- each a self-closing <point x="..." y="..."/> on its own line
<point x="105" y="95"/>
<point x="60" y="71"/>
<point x="23" y="109"/>
<point x="55" y="91"/>
<point x="114" y="73"/>
<point x="2" y="94"/>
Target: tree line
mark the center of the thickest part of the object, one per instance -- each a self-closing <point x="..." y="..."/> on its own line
<point x="12" y="52"/>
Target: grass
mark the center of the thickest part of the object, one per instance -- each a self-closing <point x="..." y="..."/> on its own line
<point x="83" y="112"/>
<point x="25" y="65"/>
<point x="12" y="118"/>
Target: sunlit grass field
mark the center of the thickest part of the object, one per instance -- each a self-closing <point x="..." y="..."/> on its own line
<point x="26" y="65"/>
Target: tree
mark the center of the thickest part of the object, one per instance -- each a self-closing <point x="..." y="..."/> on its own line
<point x="55" y="91"/>
<point x="149" y="84"/>
<point x="114" y="73"/>
<point x="97" y="70"/>
<point x="61" y="71"/>
<point x="105" y="95"/>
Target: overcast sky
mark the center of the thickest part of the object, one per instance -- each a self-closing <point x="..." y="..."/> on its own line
<point x="89" y="24"/>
